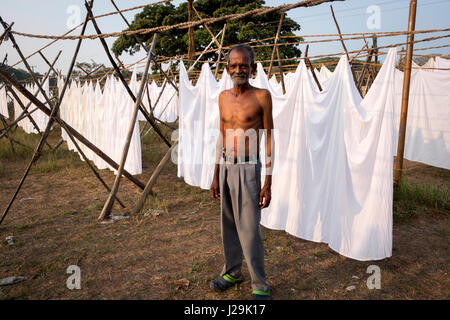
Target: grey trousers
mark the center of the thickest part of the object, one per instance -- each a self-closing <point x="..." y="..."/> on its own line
<point x="240" y="186"/>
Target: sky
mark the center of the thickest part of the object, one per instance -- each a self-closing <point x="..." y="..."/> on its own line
<point x="51" y="17"/>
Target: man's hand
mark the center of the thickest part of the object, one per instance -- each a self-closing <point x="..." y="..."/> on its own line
<point x="215" y="191"/>
<point x="265" y="196"/>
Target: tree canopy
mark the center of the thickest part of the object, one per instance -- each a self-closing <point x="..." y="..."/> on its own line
<point x="175" y="42"/>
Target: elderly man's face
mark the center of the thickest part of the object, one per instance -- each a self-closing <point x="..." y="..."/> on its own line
<point x="239" y="67"/>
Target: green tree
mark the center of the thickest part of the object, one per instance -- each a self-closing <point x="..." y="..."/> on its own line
<point x="175" y="42"/>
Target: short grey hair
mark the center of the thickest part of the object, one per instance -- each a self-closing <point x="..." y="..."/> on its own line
<point x="245" y="48"/>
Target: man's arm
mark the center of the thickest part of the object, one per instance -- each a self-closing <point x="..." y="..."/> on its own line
<point x="266" y="103"/>
<point x="215" y="191"/>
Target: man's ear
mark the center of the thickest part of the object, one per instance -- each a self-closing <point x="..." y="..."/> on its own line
<point x="226" y="67"/>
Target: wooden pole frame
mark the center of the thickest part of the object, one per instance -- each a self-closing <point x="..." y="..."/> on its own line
<point x="53" y="112"/>
<point x="151" y="182"/>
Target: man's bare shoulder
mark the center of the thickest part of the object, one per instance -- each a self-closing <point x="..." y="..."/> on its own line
<point x="263" y="95"/>
<point x="224" y="93"/>
<point x="223" y="97"/>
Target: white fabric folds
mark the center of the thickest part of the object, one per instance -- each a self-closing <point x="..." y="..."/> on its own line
<point x="3" y="103"/>
<point x="103" y="118"/>
<point x="332" y="179"/>
<point x="427" y="135"/>
<point x="442" y="63"/>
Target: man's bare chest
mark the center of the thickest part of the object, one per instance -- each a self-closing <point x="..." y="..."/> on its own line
<point x="241" y="112"/>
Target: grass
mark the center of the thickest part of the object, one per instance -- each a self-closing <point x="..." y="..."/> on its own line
<point x="413" y="199"/>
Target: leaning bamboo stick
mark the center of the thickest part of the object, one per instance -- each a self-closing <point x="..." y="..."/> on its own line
<point x="110" y="201"/>
<point x="309" y="65"/>
<point x="151" y="182"/>
<point x="206" y="27"/>
<point x="220" y="50"/>
<point x="339" y="31"/>
<point x="275" y="43"/>
<point x="6" y="132"/>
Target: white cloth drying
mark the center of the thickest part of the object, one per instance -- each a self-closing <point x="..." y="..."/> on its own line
<point x="103" y="118"/>
<point x="39" y="117"/>
<point x="3" y="103"/>
<point x="442" y="63"/>
<point x="427" y="136"/>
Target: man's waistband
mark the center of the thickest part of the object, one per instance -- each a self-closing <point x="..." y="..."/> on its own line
<point x="241" y="159"/>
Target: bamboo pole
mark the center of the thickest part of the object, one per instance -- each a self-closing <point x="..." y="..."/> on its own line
<point x="119" y="74"/>
<point x="280" y="66"/>
<point x="53" y="112"/>
<point x="206" y="27"/>
<point x="398" y="164"/>
<point x="202" y="53"/>
<point x="275" y="43"/>
<point x="191" y="47"/>
<point x="220" y="50"/>
<point x="151" y="182"/>
<point x="339" y="32"/>
<point x="6" y="132"/>
<point x="310" y="66"/>
<point x="364" y="69"/>
<point x="56" y="146"/>
<point x="357" y="54"/>
<point x="110" y="201"/>
<point x="5" y="32"/>
<point x="48" y="63"/>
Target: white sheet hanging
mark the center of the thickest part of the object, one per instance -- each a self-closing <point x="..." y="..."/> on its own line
<point x="3" y="103"/>
<point x="325" y="72"/>
<point x="103" y="118"/>
<point x="427" y="136"/>
<point x="442" y="63"/>
<point x="39" y="117"/>
<point x="333" y="155"/>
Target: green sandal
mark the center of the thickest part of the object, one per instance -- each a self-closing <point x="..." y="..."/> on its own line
<point x="224" y="283"/>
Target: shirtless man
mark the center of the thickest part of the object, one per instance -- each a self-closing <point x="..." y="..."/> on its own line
<point x="245" y="113"/>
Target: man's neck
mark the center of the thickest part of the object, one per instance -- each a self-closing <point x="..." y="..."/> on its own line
<point x="241" y="88"/>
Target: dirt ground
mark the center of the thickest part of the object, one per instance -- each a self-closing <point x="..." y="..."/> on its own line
<point x="174" y="253"/>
